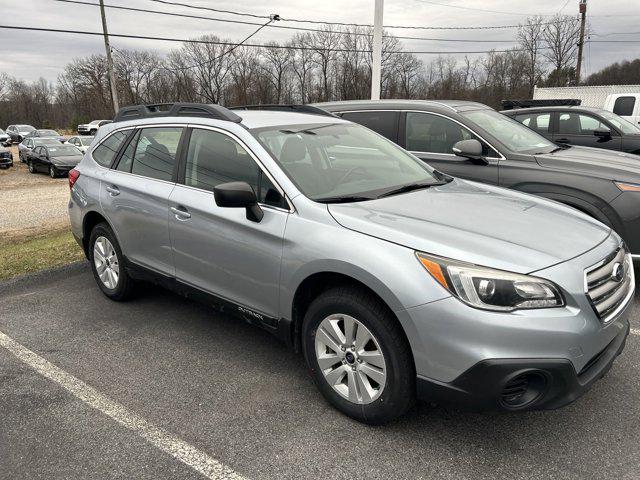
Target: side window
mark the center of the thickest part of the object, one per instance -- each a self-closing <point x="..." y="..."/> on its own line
<point x="126" y="160"/>
<point x="435" y="134"/>
<point x="536" y="121"/>
<point x="155" y="153"/>
<point x="624" y="106"/>
<point x="577" y="124"/>
<point x="38" y="151"/>
<point x="384" y="123"/>
<point x="107" y="150"/>
<point x="214" y="158"/>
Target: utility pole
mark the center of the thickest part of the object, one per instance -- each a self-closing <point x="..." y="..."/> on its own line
<point x="376" y="66"/>
<point x="583" y="21"/>
<point x="107" y="47"/>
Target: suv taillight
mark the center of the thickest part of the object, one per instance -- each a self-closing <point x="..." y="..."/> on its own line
<point x="73" y="177"/>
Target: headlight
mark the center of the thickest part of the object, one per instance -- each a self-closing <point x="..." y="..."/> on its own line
<point x="628" y="187"/>
<point x="490" y="289"/>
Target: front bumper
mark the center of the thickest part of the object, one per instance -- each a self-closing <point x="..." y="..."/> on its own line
<point x="523" y="384"/>
<point x="6" y="162"/>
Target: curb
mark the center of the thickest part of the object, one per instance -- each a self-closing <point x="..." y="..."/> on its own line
<point x="47" y="275"/>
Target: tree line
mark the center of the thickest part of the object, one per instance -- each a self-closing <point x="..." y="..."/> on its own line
<point x="331" y="64"/>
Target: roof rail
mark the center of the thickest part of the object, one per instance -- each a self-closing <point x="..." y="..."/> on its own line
<point x="298" y="108"/>
<point x="558" y="102"/>
<point x="178" y="109"/>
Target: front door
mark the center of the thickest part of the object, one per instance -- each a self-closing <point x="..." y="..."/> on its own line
<point x="431" y="138"/>
<point x="574" y="128"/>
<point x="218" y="249"/>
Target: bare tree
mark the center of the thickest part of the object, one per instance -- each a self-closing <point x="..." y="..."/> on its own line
<point x="530" y="38"/>
<point x="560" y="39"/>
<point x="276" y="65"/>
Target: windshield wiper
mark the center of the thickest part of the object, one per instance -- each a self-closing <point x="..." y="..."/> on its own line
<point x="343" y="199"/>
<point x="409" y="188"/>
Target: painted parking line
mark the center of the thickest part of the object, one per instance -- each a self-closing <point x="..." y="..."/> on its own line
<point x="634" y="331"/>
<point x="161" y="439"/>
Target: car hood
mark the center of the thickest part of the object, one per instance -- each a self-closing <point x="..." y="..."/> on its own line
<point x="67" y="159"/>
<point x="602" y="163"/>
<point x="477" y="223"/>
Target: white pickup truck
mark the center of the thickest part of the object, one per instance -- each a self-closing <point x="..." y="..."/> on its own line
<point x="623" y="100"/>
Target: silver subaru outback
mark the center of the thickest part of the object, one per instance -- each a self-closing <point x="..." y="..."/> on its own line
<point x="396" y="281"/>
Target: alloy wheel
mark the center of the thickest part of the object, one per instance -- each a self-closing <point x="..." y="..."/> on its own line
<point x="106" y="262"/>
<point x="350" y="358"/>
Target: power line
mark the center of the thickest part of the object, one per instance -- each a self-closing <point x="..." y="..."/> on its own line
<point x="256" y="45"/>
<point x="244" y="22"/>
<point x="343" y="24"/>
<point x="448" y="5"/>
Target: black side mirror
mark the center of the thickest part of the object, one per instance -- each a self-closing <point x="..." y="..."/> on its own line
<point x="238" y="195"/>
<point x="471" y="149"/>
<point x="602" y="132"/>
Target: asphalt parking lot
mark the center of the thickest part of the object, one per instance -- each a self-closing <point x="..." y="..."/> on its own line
<point x="162" y="387"/>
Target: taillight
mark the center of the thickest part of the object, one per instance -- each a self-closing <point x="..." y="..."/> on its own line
<point x="73" y="177"/>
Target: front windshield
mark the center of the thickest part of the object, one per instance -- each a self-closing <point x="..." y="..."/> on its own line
<point x="62" y="150"/>
<point x="46" y="141"/>
<point x="343" y="160"/>
<point x="25" y="128"/>
<point x="48" y="133"/>
<point x="86" y="141"/>
<point x="512" y="134"/>
<point x="620" y="123"/>
<point x="94" y="122"/>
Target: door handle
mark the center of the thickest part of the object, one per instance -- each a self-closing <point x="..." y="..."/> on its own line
<point x="563" y="140"/>
<point x="113" y="190"/>
<point x="181" y="213"/>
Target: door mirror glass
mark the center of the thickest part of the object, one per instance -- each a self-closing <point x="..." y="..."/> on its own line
<point x="469" y="149"/>
<point x="238" y="195"/>
<point x="602" y="132"/>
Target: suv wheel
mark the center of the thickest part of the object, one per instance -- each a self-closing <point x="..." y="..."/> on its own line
<point x="107" y="264"/>
<point x="358" y="355"/>
<point x="53" y="172"/>
<point x="31" y="167"/>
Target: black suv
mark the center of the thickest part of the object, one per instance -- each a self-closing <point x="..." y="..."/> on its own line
<point x="586" y="126"/>
<point x="471" y="140"/>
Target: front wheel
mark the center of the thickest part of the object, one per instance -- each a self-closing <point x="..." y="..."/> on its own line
<point x="358" y="355"/>
<point x="108" y="264"/>
<point x="53" y="172"/>
<point x="32" y="169"/>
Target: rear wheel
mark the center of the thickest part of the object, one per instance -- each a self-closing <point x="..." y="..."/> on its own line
<point x="53" y="172"/>
<point x="108" y="264"/>
<point x="358" y="355"/>
<point x="31" y="167"/>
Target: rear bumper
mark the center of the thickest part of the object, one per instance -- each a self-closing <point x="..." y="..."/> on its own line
<point x="522" y="384"/>
<point x="6" y="162"/>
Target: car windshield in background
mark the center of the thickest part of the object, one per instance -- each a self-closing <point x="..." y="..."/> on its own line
<point x="63" y="150"/>
<point x="95" y="122"/>
<point x="25" y="128"/>
<point x="45" y="141"/>
<point x="48" y="133"/>
<point x="512" y="134"/>
<point x="86" y="141"/>
<point x="620" y="123"/>
<point x="343" y="162"/>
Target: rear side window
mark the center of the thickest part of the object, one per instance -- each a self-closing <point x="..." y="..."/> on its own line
<point x="155" y="153"/>
<point x="107" y="150"/>
<point x="214" y="158"/>
<point x="624" y="106"/>
<point x="535" y="121"/>
<point x="384" y="123"/>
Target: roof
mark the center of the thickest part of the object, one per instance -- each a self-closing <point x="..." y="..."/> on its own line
<point x="455" y="105"/>
<point x="268" y="118"/>
<point x="553" y="109"/>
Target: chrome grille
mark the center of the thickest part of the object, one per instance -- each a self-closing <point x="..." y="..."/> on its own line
<point x="610" y="284"/>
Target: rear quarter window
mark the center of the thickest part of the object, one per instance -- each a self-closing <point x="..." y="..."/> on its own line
<point x="104" y="153"/>
<point x="624" y="106"/>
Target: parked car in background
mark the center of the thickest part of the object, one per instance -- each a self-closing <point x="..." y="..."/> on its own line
<point x="18" y="132"/>
<point x="470" y="140"/>
<point x="83" y="142"/>
<point x="92" y="127"/>
<point x="28" y="144"/>
<point x="6" y="158"/>
<point x="46" y="133"/>
<point x="586" y="126"/>
<point x="5" y="138"/>
<point x="394" y="280"/>
<point x="54" y="159"/>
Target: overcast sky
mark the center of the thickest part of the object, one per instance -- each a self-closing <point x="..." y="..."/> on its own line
<point x="30" y="55"/>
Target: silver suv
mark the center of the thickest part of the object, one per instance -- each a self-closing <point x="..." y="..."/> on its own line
<point x="396" y="281"/>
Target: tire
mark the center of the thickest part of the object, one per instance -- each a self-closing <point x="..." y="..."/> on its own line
<point x="377" y="399"/>
<point x="53" y="172"/>
<point x="123" y="286"/>
<point x="31" y="167"/>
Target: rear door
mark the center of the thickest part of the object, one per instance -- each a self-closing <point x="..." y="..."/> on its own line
<point x="431" y="137"/>
<point x="218" y="249"/>
<point x="135" y="193"/>
<point x="384" y="122"/>
<point x="540" y="122"/>
<point x="577" y="128"/>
